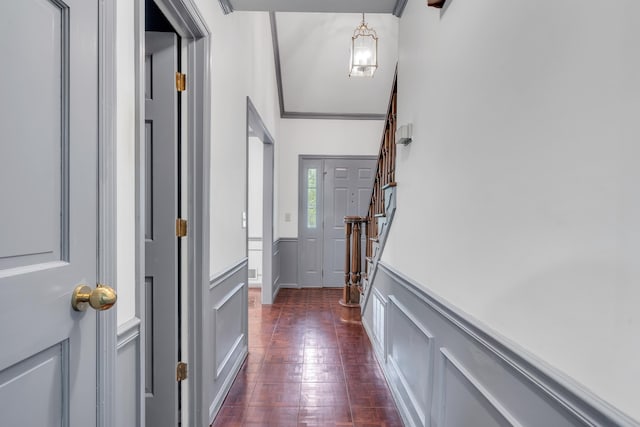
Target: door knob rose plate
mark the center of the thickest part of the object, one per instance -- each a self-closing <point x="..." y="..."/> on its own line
<point x="101" y="298"/>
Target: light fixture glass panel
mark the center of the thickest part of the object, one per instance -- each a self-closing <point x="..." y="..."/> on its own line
<point x="364" y="51"/>
<point x="312" y="185"/>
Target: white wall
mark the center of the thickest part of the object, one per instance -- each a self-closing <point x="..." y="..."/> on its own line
<point x="125" y="161"/>
<point x="306" y="136"/>
<point x="518" y="200"/>
<point x="242" y="65"/>
<point x="256" y="157"/>
<point x="256" y="149"/>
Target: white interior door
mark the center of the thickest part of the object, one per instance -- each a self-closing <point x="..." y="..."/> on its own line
<point x="48" y="231"/>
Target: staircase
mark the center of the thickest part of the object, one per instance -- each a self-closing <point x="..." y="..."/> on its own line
<point x="377" y="223"/>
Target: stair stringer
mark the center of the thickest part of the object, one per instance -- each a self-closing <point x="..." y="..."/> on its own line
<point x="384" y="225"/>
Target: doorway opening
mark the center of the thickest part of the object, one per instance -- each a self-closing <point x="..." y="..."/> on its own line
<point x="163" y="206"/>
<point x="260" y="190"/>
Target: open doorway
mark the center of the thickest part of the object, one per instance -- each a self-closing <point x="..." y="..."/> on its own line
<point x="255" y="197"/>
<point x="162" y="271"/>
<point x="260" y="158"/>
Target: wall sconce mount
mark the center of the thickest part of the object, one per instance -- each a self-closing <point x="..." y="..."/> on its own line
<point x="404" y="134"/>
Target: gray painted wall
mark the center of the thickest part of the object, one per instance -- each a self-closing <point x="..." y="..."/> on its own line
<point x="445" y="369"/>
<point x="228" y="296"/>
<point x="287" y="262"/>
<point x="128" y="411"/>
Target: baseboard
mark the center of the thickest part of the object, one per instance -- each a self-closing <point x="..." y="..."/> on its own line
<point x="130" y="389"/>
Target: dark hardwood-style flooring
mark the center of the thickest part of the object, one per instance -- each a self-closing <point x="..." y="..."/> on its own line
<point x="310" y="363"/>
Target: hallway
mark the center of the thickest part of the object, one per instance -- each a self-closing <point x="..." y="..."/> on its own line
<point x="307" y="366"/>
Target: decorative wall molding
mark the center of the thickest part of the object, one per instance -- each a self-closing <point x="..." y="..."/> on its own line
<point x="227" y="358"/>
<point x="224" y="275"/>
<point x="226" y="6"/>
<point x="489" y="376"/>
<point x="277" y="265"/>
<point x="224" y="389"/>
<point x="423" y="343"/>
<point x="288" y="262"/>
<point x="399" y="8"/>
<point x="128" y="331"/>
<point x="229" y="297"/>
<point x="447" y="358"/>
<point x="129" y="400"/>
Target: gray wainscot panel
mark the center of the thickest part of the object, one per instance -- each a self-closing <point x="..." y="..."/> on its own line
<point x="445" y="369"/>
<point x="288" y="262"/>
<point x="276" y="268"/>
<point x="229" y="329"/>
<point x="128" y="377"/>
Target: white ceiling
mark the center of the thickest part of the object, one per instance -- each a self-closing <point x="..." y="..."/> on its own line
<point x="312" y="44"/>
<point x="314" y="61"/>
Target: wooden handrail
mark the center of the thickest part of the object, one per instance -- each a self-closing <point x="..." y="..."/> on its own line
<point x="385" y="176"/>
<point x="385" y="172"/>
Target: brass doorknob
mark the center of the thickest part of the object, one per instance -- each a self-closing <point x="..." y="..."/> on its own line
<point x="102" y="297"/>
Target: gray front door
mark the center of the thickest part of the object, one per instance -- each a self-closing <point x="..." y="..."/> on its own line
<point x="161" y="243"/>
<point x="343" y="188"/>
<point x="48" y="211"/>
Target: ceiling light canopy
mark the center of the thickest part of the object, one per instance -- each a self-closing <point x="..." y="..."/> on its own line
<point x="364" y="51"/>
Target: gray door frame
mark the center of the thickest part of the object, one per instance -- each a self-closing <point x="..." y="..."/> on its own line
<point x="320" y="157"/>
<point x="107" y="213"/>
<point x="190" y="25"/>
<point x="255" y="122"/>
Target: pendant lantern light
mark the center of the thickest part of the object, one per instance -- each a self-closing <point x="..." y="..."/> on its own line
<point x="364" y="51"/>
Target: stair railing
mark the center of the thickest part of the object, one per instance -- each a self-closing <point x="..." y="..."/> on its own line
<point x="384" y="177"/>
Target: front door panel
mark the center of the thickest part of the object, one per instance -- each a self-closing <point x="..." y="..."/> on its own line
<point x="343" y="187"/>
<point x="48" y="185"/>
<point x="347" y="190"/>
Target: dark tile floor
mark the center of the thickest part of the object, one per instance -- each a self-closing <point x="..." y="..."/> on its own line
<point x="310" y="363"/>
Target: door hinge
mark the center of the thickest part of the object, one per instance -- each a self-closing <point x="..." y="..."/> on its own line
<point x="181" y="82"/>
<point x="181" y="371"/>
<point x="181" y="227"/>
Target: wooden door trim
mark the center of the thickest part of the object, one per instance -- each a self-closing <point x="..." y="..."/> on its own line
<point x="106" y="339"/>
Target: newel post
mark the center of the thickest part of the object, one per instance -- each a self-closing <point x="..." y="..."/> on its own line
<point x="353" y="261"/>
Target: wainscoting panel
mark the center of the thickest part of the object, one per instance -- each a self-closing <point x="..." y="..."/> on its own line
<point x="459" y="389"/>
<point x="410" y="359"/>
<point x="128" y="377"/>
<point x="288" y="262"/>
<point x="229" y="329"/>
<point x="446" y="370"/>
<point x="276" y="268"/>
<point x="228" y="333"/>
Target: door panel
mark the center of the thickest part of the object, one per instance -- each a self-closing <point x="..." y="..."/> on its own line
<point x="35" y="377"/>
<point x="345" y="190"/>
<point x="48" y="183"/>
<point x="310" y="223"/>
<point x="37" y="201"/>
<point x="347" y="181"/>
<point x="161" y="246"/>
